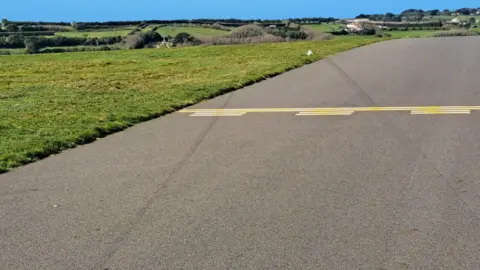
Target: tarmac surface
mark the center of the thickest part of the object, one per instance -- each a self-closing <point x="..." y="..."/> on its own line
<point x="360" y="160"/>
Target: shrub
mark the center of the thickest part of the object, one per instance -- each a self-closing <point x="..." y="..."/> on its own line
<point x="383" y="34"/>
<point x="12" y="42"/>
<point x="102" y="41"/>
<point x="185" y="39"/>
<point x="32" y="44"/>
<point x="135" y="41"/>
<point x="79" y="26"/>
<point x="78" y="49"/>
<point x="229" y="40"/>
<point x="38" y="33"/>
<point x="142" y="39"/>
<point x="152" y="36"/>
<point x="296" y="35"/>
<point x="11" y="28"/>
<point x="249" y="30"/>
<point x="367" y="32"/>
<point x="15" y="39"/>
<point x="277" y="32"/>
<point x="4" y="52"/>
<point x="454" y="33"/>
<point x="30" y="28"/>
<point x="218" y="27"/>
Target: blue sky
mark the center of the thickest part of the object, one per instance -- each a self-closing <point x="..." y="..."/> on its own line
<point x="105" y="10"/>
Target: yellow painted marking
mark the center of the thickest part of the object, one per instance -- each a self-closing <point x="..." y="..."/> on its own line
<point x="441" y="111"/>
<point x="338" y="112"/>
<point x="218" y="114"/>
<point x="333" y="109"/>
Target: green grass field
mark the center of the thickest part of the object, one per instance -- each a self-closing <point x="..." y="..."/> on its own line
<point x="449" y="17"/>
<point x="195" y="31"/>
<point x="52" y="102"/>
<point x="165" y="31"/>
<point x="14" y="51"/>
<point x="413" y="33"/>
<point x="475" y="29"/>
<point x="107" y="33"/>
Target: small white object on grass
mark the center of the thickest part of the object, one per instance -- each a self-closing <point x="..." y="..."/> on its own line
<point x="309" y="52"/>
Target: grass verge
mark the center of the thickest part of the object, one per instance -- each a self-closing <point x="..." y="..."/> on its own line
<point x="52" y="102"/>
<point x="413" y="33"/>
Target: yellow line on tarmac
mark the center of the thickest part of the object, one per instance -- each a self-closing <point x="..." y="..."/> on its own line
<point x="432" y="109"/>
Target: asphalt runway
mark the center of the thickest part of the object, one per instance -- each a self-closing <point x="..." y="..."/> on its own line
<point x="367" y="159"/>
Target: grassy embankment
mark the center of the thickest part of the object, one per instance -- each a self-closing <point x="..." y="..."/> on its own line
<point x="413" y="33"/>
<point x="52" y="102"/>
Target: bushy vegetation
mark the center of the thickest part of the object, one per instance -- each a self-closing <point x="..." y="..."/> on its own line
<point x="43" y="28"/>
<point x="313" y="34"/>
<point x="51" y="102"/>
<point x="217" y="26"/>
<point x="28" y="34"/>
<point x="185" y="39"/>
<point x="140" y="39"/>
<point x="80" y="49"/>
<point x="12" y="41"/>
<point x="257" y="34"/>
<point x="36" y="43"/>
<point x="223" y="22"/>
<point x="455" y="33"/>
<point x="417" y="15"/>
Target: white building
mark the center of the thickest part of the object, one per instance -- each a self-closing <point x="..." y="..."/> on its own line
<point x="354" y="27"/>
<point x="455" y="20"/>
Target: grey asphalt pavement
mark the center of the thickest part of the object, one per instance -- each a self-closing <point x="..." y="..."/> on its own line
<point x="370" y="190"/>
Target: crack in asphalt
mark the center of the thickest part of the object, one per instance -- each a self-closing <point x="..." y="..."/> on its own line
<point x="142" y="211"/>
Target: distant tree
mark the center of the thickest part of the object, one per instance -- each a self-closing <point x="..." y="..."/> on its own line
<point x="409" y="11"/>
<point x="152" y="37"/>
<point x="11" y="28"/>
<point x="362" y="16"/>
<point x="433" y="12"/>
<point x="464" y="11"/>
<point x="420" y="16"/>
<point x="446" y="12"/>
<point x="15" y="39"/>
<point x="135" y="41"/>
<point x="389" y="16"/>
<point x="31" y="44"/>
<point x="4" y="22"/>
<point x="472" y="20"/>
<point x="79" y="26"/>
<point x="183" y="38"/>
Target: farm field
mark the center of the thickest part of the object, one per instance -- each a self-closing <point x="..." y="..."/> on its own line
<point x="51" y="102"/>
<point x="164" y="31"/>
<point x="413" y="33"/>
<point x="195" y="31"/>
<point x="107" y="33"/>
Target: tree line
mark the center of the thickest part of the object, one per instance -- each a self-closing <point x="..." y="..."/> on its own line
<point x="17" y="41"/>
<point x="226" y="22"/>
<point x="417" y="14"/>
